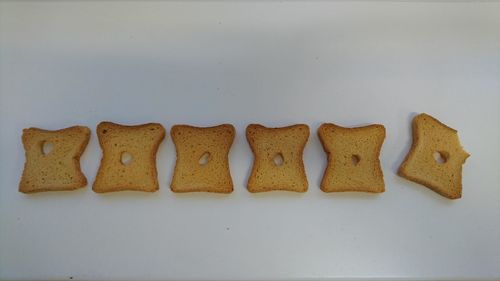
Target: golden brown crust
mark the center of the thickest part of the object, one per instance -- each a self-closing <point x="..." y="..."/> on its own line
<point x="192" y="144"/>
<point x="58" y="170"/>
<point x="266" y="144"/>
<point x="353" y="158"/>
<point x="431" y="136"/>
<point x="141" y="142"/>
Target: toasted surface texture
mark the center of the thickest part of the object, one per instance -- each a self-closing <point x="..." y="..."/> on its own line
<point x="430" y="137"/>
<point x="278" y="161"/>
<point x="118" y="141"/>
<point x="202" y="158"/>
<point x="353" y="158"/>
<point x="58" y="169"/>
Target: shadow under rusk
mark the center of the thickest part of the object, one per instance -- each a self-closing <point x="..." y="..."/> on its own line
<point x="352" y="195"/>
<point x="128" y="194"/>
<point x="201" y="195"/>
<point x="277" y="194"/>
<point x="80" y="192"/>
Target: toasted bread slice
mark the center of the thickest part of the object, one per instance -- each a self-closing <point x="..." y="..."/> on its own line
<point x="436" y="157"/>
<point x="59" y="168"/>
<point x="202" y="158"/>
<point x="278" y="163"/>
<point x="353" y="158"/>
<point x="129" y="157"/>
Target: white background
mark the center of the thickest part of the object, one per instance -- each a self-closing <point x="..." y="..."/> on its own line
<point x="269" y="62"/>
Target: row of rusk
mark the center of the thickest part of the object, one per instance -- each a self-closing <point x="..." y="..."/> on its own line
<point x="129" y="158"/>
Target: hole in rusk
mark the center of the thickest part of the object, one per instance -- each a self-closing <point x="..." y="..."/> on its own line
<point x="47" y="147"/>
<point x="440" y="157"/>
<point x="204" y="159"/>
<point x="126" y="158"/>
<point x="355" y="159"/>
<point x="278" y="159"/>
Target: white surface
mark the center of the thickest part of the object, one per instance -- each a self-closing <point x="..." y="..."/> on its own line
<point x="275" y="63"/>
